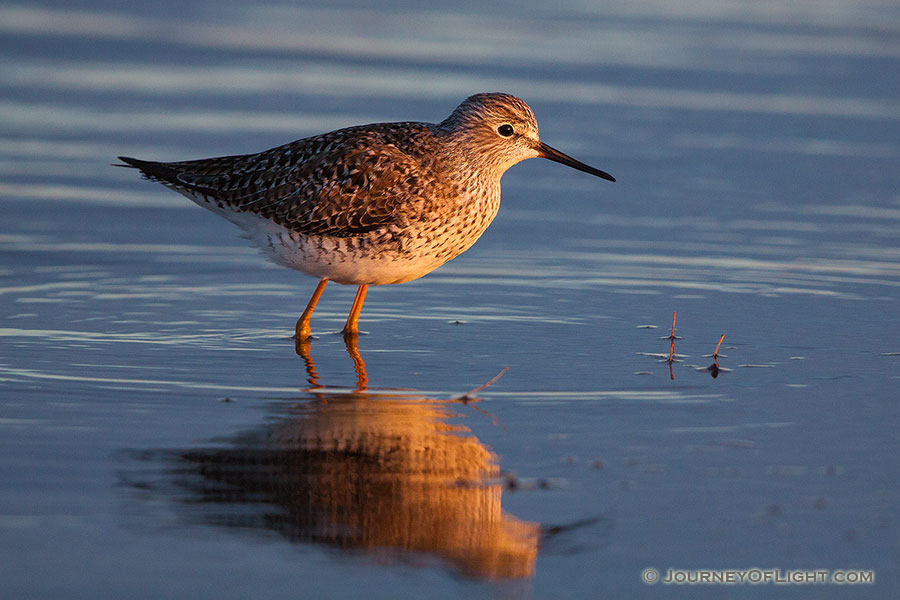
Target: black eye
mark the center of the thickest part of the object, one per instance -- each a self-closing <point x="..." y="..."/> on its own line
<point x="505" y="130"/>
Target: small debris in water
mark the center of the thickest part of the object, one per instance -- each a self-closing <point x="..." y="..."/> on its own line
<point x="850" y="535"/>
<point x="833" y="470"/>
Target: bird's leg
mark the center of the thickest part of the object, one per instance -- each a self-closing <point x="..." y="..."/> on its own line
<point x="302" y="331"/>
<point x="352" y="325"/>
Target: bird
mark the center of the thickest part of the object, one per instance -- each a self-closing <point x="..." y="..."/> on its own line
<point x="374" y="204"/>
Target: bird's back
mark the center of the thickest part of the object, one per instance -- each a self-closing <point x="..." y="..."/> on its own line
<point x="344" y="183"/>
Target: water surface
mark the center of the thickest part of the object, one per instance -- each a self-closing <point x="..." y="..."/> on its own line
<point x="145" y="345"/>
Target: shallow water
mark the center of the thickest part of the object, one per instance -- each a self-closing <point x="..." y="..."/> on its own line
<point x="161" y="435"/>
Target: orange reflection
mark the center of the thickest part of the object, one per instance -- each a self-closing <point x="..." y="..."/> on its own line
<point x="379" y="471"/>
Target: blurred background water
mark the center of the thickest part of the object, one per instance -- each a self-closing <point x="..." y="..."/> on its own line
<point x="756" y="149"/>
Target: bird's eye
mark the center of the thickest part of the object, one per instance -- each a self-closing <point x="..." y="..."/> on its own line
<point x="505" y="130"/>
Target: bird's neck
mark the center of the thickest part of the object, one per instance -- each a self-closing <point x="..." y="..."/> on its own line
<point x="472" y="153"/>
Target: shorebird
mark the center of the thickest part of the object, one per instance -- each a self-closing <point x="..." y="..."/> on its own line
<point x="372" y="204"/>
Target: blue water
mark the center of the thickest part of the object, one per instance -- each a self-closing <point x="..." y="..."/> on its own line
<point x="145" y="345"/>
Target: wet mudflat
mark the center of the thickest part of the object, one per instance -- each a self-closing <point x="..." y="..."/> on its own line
<point x="161" y="435"/>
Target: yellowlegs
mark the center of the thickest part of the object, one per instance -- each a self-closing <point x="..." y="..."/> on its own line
<point x="372" y="204"/>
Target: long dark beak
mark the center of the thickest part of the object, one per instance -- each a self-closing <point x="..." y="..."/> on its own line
<point x="548" y="152"/>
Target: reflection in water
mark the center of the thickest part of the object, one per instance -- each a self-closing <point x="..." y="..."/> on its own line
<point x="380" y="472"/>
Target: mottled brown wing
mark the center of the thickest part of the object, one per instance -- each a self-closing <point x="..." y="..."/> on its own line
<point x="344" y="183"/>
<point x="343" y="193"/>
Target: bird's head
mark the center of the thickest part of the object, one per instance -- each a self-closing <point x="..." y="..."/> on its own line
<point x="499" y="130"/>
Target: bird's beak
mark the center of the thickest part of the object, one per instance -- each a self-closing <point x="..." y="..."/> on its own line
<point x="548" y="152"/>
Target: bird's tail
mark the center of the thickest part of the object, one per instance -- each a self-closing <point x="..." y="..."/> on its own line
<point x="154" y="171"/>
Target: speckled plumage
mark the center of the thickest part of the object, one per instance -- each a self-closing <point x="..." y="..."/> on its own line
<point x="372" y="204"/>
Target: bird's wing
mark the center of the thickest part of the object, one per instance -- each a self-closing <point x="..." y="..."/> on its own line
<point x="342" y="184"/>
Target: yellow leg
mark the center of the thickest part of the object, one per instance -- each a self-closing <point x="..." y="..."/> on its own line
<point x="352" y="325"/>
<point x="302" y="331"/>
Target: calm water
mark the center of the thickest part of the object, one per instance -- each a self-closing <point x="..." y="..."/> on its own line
<point x="161" y="436"/>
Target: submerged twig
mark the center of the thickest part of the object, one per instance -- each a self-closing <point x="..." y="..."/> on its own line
<point x="470" y="395"/>
<point x="470" y="398"/>
<point x="672" y="347"/>
<point x="716" y="353"/>
<point x="714" y="369"/>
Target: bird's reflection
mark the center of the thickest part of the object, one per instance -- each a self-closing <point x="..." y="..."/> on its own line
<point x="382" y="472"/>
